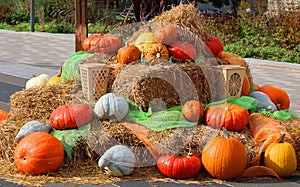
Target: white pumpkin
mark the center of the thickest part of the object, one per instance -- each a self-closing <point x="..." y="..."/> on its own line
<point x="118" y="160"/>
<point x="40" y="80"/>
<point x="111" y="107"/>
<point x="30" y="127"/>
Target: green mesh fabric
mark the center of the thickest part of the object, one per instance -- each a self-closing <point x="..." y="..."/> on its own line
<point x="70" y="137"/>
<point x="158" y="121"/>
<point x="70" y="66"/>
<point x="248" y="103"/>
<point x="279" y="114"/>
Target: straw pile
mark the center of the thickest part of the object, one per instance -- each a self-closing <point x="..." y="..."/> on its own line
<point x="31" y="104"/>
<point x="185" y="16"/>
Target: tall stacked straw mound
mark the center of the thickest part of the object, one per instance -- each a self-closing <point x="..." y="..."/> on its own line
<point x="32" y="104"/>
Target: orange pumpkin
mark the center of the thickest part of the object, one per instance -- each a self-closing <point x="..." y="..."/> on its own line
<point x="277" y="95"/>
<point x="165" y="35"/>
<point x="246" y="87"/>
<point x="156" y="50"/>
<point x="39" y="153"/>
<point x="224" y="157"/>
<point x="231" y="58"/>
<point x="3" y="115"/>
<point x="227" y="115"/>
<point x="103" y="43"/>
<point x="193" y="110"/>
<point x="86" y="44"/>
<point x="128" y="54"/>
<point x="71" y="116"/>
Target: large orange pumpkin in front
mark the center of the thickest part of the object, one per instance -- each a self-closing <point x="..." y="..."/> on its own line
<point x="39" y="153"/>
<point x="224" y="157"/>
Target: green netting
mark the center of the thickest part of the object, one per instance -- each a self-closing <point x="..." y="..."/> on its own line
<point x="248" y="103"/>
<point x="70" y="66"/>
<point x="279" y="114"/>
<point x="158" y="121"/>
<point x="70" y="137"/>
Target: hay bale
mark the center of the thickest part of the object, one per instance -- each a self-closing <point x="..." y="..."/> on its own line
<point x="179" y="141"/>
<point x="105" y="135"/>
<point x="173" y="84"/>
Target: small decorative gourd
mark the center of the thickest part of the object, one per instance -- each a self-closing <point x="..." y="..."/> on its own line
<point x="40" y="80"/>
<point x="281" y="157"/>
<point x="156" y="50"/>
<point x="263" y="101"/>
<point x="118" y="160"/>
<point x="111" y="107"/>
<point x="128" y="54"/>
<point x="56" y="79"/>
<point x="144" y="39"/>
<point x="193" y="110"/>
<point x="30" y="127"/>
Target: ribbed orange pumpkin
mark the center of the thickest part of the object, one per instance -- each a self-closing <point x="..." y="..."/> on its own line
<point x="39" y="153"/>
<point x="227" y="115"/>
<point x="128" y="54"/>
<point x="103" y="43"/>
<point x="3" y="115"/>
<point x="224" y="157"/>
<point x="156" y="50"/>
<point x="70" y="116"/>
<point x="277" y="95"/>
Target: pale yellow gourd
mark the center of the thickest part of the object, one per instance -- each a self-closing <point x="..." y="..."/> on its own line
<point x="40" y="80"/>
<point x="144" y="39"/>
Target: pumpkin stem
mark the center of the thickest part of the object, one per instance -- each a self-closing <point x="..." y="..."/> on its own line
<point x="282" y="138"/>
<point x="226" y="134"/>
<point x="60" y="71"/>
<point x="227" y="106"/>
<point x="158" y="55"/>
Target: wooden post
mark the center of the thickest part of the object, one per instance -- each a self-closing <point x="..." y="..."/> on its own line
<point x="32" y="15"/>
<point x="81" y="30"/>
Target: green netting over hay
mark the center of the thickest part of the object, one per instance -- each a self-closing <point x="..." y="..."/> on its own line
<point x="70" y="66"/>
<point x="159" y="121"/>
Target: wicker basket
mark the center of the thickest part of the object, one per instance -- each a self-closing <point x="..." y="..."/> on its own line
<point x="96" y="80"/>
